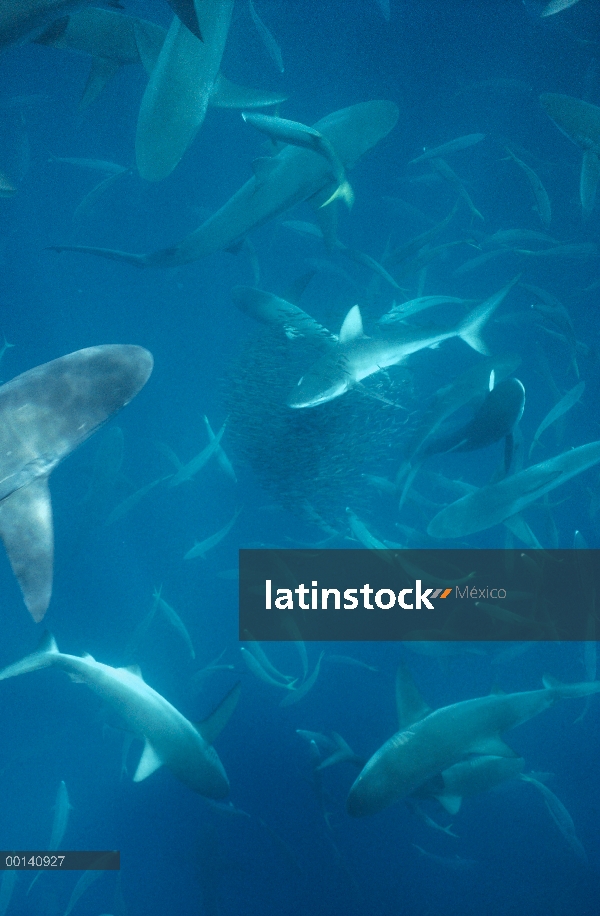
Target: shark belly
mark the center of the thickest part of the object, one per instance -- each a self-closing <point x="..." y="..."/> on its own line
<point x="174" y="741"/>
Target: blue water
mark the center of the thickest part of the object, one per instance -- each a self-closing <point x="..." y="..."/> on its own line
<point x="454" y="67"/>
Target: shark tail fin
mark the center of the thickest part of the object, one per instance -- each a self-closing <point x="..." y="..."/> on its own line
<point x="344" y="192"/>
<point x="41" y="658"/>
<point x="211" y="727"/>
<point x="470" y="329"/>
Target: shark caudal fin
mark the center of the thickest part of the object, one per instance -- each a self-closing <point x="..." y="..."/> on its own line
<point x="470" y="329"/>
<point x="211" y="727"/>
<point x="43" y="657"/>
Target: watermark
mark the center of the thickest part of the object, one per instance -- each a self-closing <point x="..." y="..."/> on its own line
<point x="420" y="595"/>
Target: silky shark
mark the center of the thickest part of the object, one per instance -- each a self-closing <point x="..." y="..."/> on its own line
<point x="496" y="502"/>
<point x="45" y="413"/>
<point x="446" y="736"/>
<point x="356" y="356"/>
<point x="279" y="182"/>
<point x="580" y="122"/>
<point x="170" y="739"/>
<point x="473" y="775"/>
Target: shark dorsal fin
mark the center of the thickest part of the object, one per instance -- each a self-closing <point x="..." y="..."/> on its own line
<point x="211" y="727"/>
<point x="352" y="327"/>
<point x="149" y="762"/>
<point x="132" y="669"/>
<point x="263" y="167"/>
<point x="410" y="705"/>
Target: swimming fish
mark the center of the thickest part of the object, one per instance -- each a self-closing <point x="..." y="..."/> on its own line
<point x="495" y="419"/>
<point x="283" y="130"/>
<point x="170" y="739"/>
<point x="271" y="46"/>
<point x="280" y="182"/>
<point x="496" y="502"/>
<point x="356" y="356"/>
<point x="450" y="147"/>
<point x="446" y="736"/>
<point x="580" y="121"/>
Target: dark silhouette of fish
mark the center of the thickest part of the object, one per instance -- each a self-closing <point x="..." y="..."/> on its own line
<point x="496" y="419"/>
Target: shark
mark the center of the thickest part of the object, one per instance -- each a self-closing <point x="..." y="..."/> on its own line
<point x="496" y="502"/>
<point x="442" y="738"/>
<point x="495" y="419"/>
<point x="170" y="739"/>
<point x="279" y="182"/>
<point x="356" y="356"/>
<point x="580" y="122"/>
<point x="282" y="130"/>
<point x="45" y="413"/>
<point x="474" y="774"/>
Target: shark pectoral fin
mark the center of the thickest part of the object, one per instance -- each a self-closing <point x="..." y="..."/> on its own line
<point x="225" y="94"/>
<point x="149" y="762"/>
<point x="26" y="530"/>
<point x="493" y="747"/>
<point x="263" y="167"/>
<point x="352" y="328"/>
<point x="451" y="803"/>
<point x="101" y="71"/>
<point x="590" y="175"/>
<point x="211" y="727"/>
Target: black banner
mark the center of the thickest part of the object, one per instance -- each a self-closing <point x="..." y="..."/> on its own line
<point x="338" y="595"/>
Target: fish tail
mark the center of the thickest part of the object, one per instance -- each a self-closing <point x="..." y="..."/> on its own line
<point x="343" y="191"/>
<point x="43" y="657"/>
<point x="470" y="329"/>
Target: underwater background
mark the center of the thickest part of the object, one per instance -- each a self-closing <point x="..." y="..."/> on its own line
<point x="453" y="67"/>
